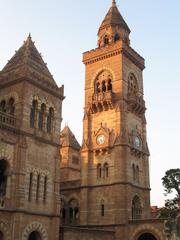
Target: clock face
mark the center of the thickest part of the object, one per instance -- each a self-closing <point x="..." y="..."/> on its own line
<point x="100" y="139"/>
<point x="137" y="142"/>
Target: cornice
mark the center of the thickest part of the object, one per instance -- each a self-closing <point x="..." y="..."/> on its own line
<point x="105" y="185"/>
<point x="57" y="92"/>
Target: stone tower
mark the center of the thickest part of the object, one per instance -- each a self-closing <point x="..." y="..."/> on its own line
<point x="115" y="168"/>
<point x="30" y="120"/>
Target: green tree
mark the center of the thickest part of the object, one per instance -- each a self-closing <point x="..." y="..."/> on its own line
<point x="171" y="183"/>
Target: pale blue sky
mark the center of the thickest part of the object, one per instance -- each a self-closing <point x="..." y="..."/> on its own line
<point x="64" y="29"/>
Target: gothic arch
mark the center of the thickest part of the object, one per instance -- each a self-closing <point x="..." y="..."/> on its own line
<point x="99" y="71"/>
<point x="133" y="85"/>
<point x="5" y="229"/>
<point x="35" y="226"/>
<point x="13" y="95"/>
<point x="147" y="228"/>
<point x="4" y="155"/>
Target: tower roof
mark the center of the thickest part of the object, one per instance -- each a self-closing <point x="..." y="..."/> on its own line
<point x="67" y="139"/>
<point x="113" y="17"/>
<point x="28" y="59"/>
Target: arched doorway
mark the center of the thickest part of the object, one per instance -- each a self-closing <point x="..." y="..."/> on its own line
<point x="147" y="236"/>
<point x="1" y="236"/>
<point x="3" y="176"/>
<point x="34" y="236"/>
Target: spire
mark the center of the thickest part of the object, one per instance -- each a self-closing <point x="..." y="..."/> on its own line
<point x="113" y="17"/>
<point x="114" y="26"/>
<point x="28" y="60"/>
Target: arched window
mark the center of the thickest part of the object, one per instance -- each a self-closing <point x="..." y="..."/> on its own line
<point x="33" y="113"/>
<point x="11" y="106"/>
<point x="102" y="210"/>
<point x="116" y="37"/>
<point x="109" y="85"/>
<point x="30" y="186"/>
<point x="98" y="90"/>
<point x="132" y="85"/>
<point x="41" y="118"/>
<point x="106" y="40"/>
<point x="136" y="208"/>
<point x="45" y="189"/>
<point x="73" y="211"/>
<point x="3" y="176"/>
<point x="3" y="106"/>
<point x="103" y="82"/>
<point x="63" y="214"/>
<point x="1" y="236"/>
<point x="34" y="236"/>
<point x="137" y="174"/>
<point x="134" y="172"/>
<point x="103" y="86"/>
<point x="106" y="170"/>
<point x="99" y="171"/>
<point x="50" y="117"/>
<point x="38" y="187"/>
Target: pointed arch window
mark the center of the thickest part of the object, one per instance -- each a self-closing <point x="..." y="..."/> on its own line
<point x="98" y="90"/>
<point x="41" y="118"/>
<point x="99" y="171"/>
<point x="106" y="170"/>
<point x="45" y="189"/>
<point x="116" y="37"/>
<point x="30" y="186"/>
<point x="38" y="187"/>
<point x="103" y="86"/>
<point x="137" y="174"/>
<point x="73" y="206"/>
<point x="109" y="85"/>
<point x="50" y="118"/>
<point x="103" y="82"/>
<point x="106" y="40"/>
<point x="11" y="106"/>
<point x="136" y="208"/>
<point x="132" y="85"/>
<point x="134" y="172"/>
<point x="3" y="106"/>
<point x="33" y="114"/>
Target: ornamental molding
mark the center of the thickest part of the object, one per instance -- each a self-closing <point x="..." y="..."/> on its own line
<point x="35" y="226"/>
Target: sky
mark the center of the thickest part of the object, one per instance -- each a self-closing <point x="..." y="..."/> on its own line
<point x="64" y="29"/>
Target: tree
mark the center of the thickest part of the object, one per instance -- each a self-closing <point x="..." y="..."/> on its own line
<point x="171" y="183"/>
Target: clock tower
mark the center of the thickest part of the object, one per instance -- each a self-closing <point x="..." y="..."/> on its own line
<point x="115" y="168"/>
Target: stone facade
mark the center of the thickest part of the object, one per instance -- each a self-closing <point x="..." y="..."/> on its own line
<point x="30" y="120"/>
<point x="112" y="191"/>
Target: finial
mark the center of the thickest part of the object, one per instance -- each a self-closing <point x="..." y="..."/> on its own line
<point x="113" y="2"/>
<point x="29" y="35"/>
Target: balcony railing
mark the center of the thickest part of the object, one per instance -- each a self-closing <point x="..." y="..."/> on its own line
<point x="101" y="101"/>
<point x="7" y="119"/>
<point x="136" y="104"/>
